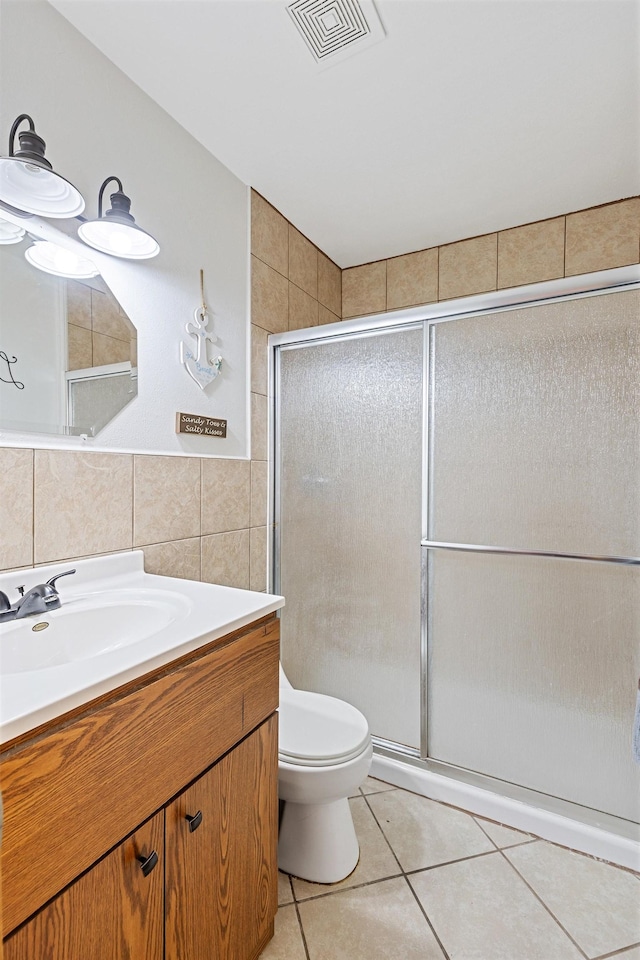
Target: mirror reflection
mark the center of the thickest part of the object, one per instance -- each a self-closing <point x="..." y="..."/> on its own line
<point x="68" y="351"/>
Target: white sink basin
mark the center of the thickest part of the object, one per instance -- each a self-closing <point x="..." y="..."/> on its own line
<point x="88" y="626"/>
<point x="116" y="623"/>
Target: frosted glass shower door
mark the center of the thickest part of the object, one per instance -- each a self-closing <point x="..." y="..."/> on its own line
<point x="349" y="439"/>
<point x="534" y="655"/>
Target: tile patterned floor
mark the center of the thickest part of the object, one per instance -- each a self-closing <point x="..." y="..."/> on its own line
<point x="435" y="883"/>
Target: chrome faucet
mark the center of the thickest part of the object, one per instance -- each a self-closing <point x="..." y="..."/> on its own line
<point x="40" y="599"/>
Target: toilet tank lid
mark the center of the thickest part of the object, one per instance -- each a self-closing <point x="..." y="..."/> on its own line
<point x="318" y="729"/>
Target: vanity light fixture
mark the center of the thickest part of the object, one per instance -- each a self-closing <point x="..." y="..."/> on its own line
<point x="55" y="259"/>
<point x="116" y="232"/>
<point x="28" y="183"/>
<point x="10" y="232"/>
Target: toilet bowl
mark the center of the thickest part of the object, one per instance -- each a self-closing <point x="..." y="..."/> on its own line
<point x="324" y="754"/>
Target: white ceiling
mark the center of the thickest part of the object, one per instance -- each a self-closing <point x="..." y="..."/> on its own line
<point x="469" y="117"/>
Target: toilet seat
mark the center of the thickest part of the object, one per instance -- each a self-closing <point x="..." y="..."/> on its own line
<point x="318" y="731"/>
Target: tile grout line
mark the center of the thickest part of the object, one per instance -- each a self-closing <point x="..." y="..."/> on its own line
<point x="548" y="909"/>
<point x="200" y="536"/>
<point x="356" y="886"/>
<point x="386" y="284"/>
<point x="133" y="503"/>
<point x="407" y="881"/>
<point x="507" y="846"/>
<point x="371" y="811"/>
<point x="617" y="953"/>
<point x="449" y="863"/>
<point x="429" y="924"/>
<point x="301" y="927"/>
<point x="486" y="834"/>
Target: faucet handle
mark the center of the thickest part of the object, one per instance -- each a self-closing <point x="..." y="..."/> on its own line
<point x="52" y="582"/>
<point x="5" y="603"/>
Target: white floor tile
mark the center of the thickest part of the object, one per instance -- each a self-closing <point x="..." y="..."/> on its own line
<point x="482" y="910"/>
<point x="598" y="904"/>
<point x="381" y="921"/>
<point x="287" y="941"/>
<point x="423" y="833"/>
<point x="480" y="907"/>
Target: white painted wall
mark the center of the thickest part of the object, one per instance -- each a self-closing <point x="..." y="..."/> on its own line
<point x="98" y="123"/>
<point x="33" y="328"/>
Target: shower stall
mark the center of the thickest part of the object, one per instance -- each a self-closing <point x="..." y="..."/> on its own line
<point x="456" y="530"/>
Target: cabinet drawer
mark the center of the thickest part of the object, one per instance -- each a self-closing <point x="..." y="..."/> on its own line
<point x="74" y="792"/>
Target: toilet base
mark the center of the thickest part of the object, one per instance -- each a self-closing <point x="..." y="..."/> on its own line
<point x="318" y="841"/>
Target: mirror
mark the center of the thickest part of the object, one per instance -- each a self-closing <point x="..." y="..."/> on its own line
<point x="67" y="351"/>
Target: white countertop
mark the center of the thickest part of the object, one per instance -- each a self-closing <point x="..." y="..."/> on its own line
<point x="204" y="612"/>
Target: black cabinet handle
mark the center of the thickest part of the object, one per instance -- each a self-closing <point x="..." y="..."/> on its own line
<point x="194" y="821"/>
<point x="148" y="863"/>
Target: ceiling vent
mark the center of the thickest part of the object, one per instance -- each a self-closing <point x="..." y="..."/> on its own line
<point x="335" y="29"/>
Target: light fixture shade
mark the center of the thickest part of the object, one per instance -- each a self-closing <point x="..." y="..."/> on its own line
<point x="117" y="233"/>
<point x="10" y="232"/>
<point x="52" y="258"/>
<point x="119" y="239"/>
<point x="29" y="184"/>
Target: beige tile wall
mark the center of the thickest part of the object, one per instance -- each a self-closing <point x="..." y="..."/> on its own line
<point x="596" y="239"/>
<point x="293" y="285"/>
<point x="192" y="517"/>
<point x="207" y="519"/>
<point x="98" y="329"/>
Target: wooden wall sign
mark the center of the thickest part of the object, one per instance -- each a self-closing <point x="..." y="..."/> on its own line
<point x="200" y="426"/>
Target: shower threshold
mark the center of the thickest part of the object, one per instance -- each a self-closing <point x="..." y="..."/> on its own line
<point x="571" y="825"/>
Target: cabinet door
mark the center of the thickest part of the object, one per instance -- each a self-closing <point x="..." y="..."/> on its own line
<point x="221" y="877"/>
<point x="113" y="912"/>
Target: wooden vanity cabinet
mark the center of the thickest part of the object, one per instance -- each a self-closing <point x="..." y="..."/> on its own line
<point x="193" y="749"/>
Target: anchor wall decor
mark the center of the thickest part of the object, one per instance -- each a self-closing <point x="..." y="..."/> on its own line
<point x="194" y="356"/>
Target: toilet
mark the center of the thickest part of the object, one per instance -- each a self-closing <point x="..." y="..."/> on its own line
<point x="324" y="754"/>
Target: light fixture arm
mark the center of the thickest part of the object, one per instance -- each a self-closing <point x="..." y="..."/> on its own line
<point x="14" y="129"/>
<point x="102" y="189"/>
<point x="32" y="146"/>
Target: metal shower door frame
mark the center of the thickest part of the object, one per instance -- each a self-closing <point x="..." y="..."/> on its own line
<point x="430" y="315"/>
